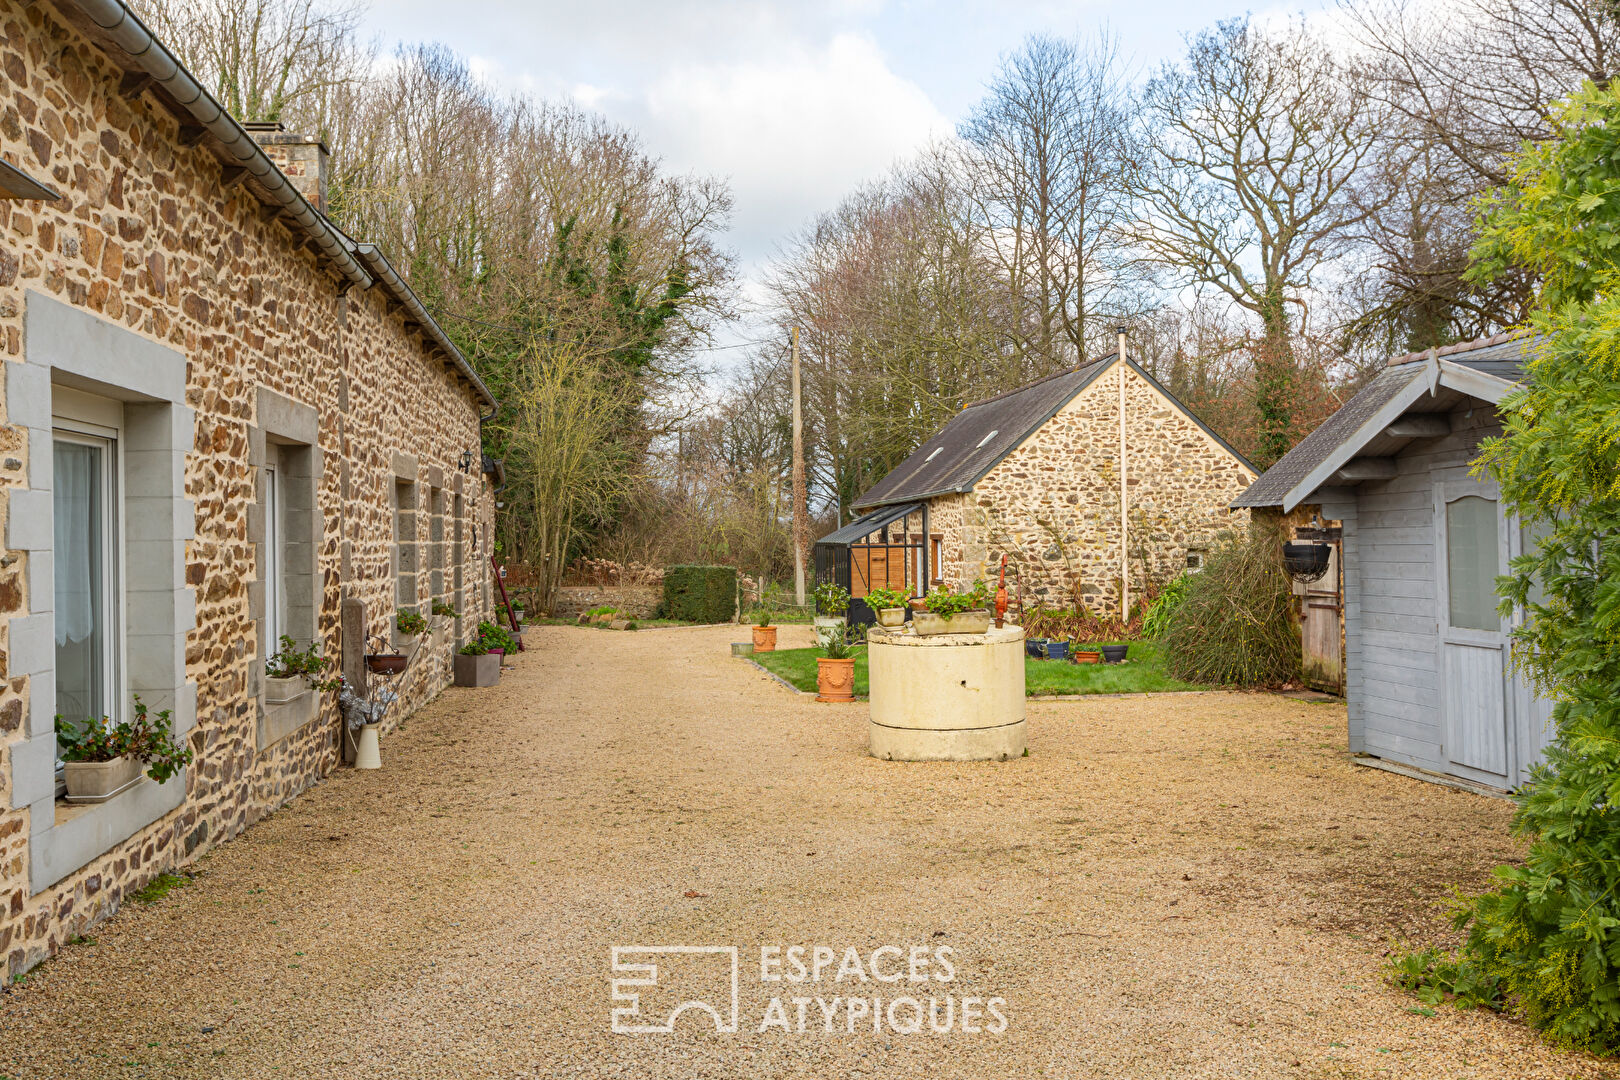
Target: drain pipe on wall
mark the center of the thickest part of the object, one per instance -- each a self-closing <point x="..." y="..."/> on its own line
<point x="1124" y="497"/>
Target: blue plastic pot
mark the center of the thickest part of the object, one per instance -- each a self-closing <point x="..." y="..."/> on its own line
<point x="1035" y="647"/>
<point x="1057" y="650"/>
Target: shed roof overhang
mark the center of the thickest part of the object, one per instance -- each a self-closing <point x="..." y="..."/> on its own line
<point x="868" y="524"/>
<point x="1434" y="375"/>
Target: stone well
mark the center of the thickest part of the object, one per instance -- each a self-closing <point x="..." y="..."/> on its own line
<point x="949" y="697"/>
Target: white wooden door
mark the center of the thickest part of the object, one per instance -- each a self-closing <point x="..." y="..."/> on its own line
<point x="1475" y="706"/>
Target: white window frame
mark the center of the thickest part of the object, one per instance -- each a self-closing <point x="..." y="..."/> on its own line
<point x="273" y="590"/>
<point x="90" y="420"/>
<point x="67" y="352"/>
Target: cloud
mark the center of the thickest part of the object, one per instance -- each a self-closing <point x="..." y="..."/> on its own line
<point x="792" y="132"/>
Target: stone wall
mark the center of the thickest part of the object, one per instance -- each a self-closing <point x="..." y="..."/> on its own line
<point x="1053" y="506"/>
<point x="149" y="238"/>
<point x="636" y="601"/>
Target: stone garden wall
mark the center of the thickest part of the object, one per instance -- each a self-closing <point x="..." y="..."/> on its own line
<point x="1053" y="503"/>
<point x="150" y="238"/>
<point x="637" y="601"/>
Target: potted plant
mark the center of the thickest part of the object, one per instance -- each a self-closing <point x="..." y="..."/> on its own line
<point x="764" y="632"/>
<point x="475" y="665"/>
<point x="289" y="672"/>
<point x="496" y="639"/>
<point x="1306" y="561"/>
<point x="410" y="623"/>
<point x="832" y="605"/>
<point x="889" y="605"/>
<point x="444" y="611"/>
<point x="835" y="667"/>
<point x="952" y="612"/>
<point x="102" y="759"/>
<point x="386" y="663"/>
<point x="1086" y="656"/>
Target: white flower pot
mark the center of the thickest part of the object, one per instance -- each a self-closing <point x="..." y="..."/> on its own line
<point x="368" y="753"/>
<point x="98" y="781"/>
<point x="281" y="691"/>
<point x="927" y="624"/>
<point x="892" y="617"/>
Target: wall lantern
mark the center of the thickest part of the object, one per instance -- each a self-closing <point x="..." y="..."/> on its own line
<point x="466" y="460"/>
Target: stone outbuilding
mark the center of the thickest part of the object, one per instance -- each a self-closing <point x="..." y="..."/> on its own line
<point x="1094" y="482"/>
<point x="224" y="421"/>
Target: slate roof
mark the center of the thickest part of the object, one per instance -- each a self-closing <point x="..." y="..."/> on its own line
<point x="978" y="437"/>
<point x="1502" y="356"/>
<point x="1315" y="448"/>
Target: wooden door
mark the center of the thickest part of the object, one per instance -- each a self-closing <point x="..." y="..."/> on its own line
<point x="1322" y="616"/>
<point x="1475" y="705"/>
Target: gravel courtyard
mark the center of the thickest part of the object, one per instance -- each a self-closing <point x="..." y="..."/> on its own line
<point x="1181" y="886"/>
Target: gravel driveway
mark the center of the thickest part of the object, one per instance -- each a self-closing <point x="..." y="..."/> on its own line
<point x="1182" y="886"/>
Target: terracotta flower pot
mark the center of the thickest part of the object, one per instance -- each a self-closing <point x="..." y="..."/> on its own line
<point x="1084" y="656"/>
<point x="835" y="679"/>
<point x="385" y="663"/>
<point x="764" y="639"/>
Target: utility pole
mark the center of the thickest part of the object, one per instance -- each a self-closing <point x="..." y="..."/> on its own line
<point x="800" y="495"/>
<point x="1124" y="497"/>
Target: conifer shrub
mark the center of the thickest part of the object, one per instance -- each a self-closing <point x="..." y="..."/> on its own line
<point x="700" y="594"/>
<point x="1235" y="625"/>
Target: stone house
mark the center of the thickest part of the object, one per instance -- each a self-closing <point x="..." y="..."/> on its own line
<point x="224" y="421"/>
<point x="1091" y="481"/>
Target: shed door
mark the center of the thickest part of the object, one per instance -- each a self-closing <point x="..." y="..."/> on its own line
<point x="1474" y="702"/>
<point x="1535" y="727"/>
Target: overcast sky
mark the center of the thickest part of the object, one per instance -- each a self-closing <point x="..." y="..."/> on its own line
<point x="794" y="103"/>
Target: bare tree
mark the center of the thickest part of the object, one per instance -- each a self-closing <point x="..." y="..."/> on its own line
<point x="1045" y="151"/>
<point x="1466" y="84"/>
<point x="567" y="471"/>
<point x="1252" y="143"/>
<point x="903" y="313"/>
<point x="268" y="59"/>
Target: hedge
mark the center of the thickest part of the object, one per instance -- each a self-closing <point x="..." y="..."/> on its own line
<point x="701" y="594"/>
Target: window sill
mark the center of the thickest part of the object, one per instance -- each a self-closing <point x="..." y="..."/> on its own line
<point x="82" y="833"/>
<point x="281" y="719"/>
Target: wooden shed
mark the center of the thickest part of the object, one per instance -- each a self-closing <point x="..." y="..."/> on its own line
<point x="1428" y="674"/>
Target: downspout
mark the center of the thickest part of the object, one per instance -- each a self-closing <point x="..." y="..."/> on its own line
<point x="132" y="36"/>
<point x="1124" y="498"/>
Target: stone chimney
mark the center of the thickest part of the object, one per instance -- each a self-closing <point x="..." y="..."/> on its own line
<point x="302" y="157"/>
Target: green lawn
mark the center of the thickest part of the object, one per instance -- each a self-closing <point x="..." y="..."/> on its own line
<point x="1142" y="672"/>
